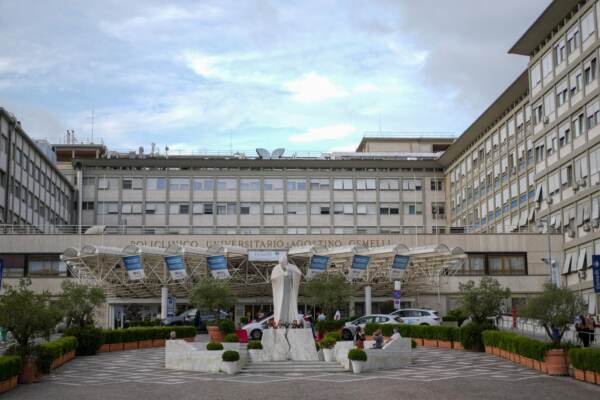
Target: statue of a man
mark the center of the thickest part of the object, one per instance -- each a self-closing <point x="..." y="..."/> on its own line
<point x="285" y="280"/>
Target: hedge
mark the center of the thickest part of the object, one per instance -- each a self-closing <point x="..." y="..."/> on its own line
<point x="329" y="325"/>
<point x="447" y="333"/>
<point x="47" y="352"/>
<point x="585" y="359"/>
<point x="9" y="366"/>
<point x="141" y="323"/>
<point x="135" y="334"/>
<point x="89" y="339"/>
<point x="231" y="338"/>
<point x="514" y="343"/>
<point x="255" y="345"/>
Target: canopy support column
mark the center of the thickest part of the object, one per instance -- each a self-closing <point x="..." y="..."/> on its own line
<point x="367" y="300"/>
<point x="164" y="298"/>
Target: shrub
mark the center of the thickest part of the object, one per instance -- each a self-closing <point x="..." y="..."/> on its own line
<point x="47" y="352"/>
<point x="334" y="335"/>
<point x="148" y="323"/>
<point x="230" y="356"/>
<point x="329" y="325"/>
<point x="327" y="342"/>
<point x="214" y="346"/>
<point x="446" y="333"/>
<point x="255" y="345"/>
<point x="9" y="366"/>
<point x="231" y="338"/>
<point x="227" y="326"/>
<point x="470" y="335"/>
<point x="243" y="320"/>
<point x="458" y="314"/>
<point x="89" y="339"/>
<point x="585" y="359"/>
<point x="517" y="344"/>
<point x="357" y="354"/>
<point x="413" y="343"/>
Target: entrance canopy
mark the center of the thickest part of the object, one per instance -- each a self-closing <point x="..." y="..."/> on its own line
<point x="140" y="272"/>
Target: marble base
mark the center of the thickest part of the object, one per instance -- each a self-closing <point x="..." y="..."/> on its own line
<point x="395" y="354"/>
<point x="185" y="356"/>
<point x="298" y="346"/>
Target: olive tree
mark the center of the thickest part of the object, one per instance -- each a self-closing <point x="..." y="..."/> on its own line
<point x="79" y="303"/>
<point x="212" y="294"/>
<point x="329" y="291"/>
<point x="483" y="301"/>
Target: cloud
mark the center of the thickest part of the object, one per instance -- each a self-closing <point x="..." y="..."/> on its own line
<point x="332" y="132"/>
<point x="343" y="149"/>
<point x="311" y="88"/>
<point x="366" y="88"/>
<point x="201" y="64"/>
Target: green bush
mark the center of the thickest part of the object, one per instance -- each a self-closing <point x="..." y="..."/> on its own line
<point x="329" y="325"/>
<point x="243" y="320"/>
<point x="357" y="354"/>
<point x="227" y="326"/>
<point x="327" y="342"/>
<point x="47" y="352"/>
<point x="470" y="335"/>
<point x="231" y="338"/>
<point x="446" y="333"/>
<point x="585" y="359"/>
<point x="9" y="366"/>
<point x="89" y="339"/>
<point x="146" y="333"/>
<point x="334" y="335"/>
<point x="230" y="356"/>
<point x="255" y="345"/>
<point x="521" y="345"/>
<point x="214" y="346"/>
<point x="458" y="314"/>
<point x="413" y="343"/>
<point x="152" y="322"/>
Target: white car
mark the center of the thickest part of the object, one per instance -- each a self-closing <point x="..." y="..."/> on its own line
<point x="348" y="331"/>
<point x="255" y="329"/>
<point x="419" y="316"/>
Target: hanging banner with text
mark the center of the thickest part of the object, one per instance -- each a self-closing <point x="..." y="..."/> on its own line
<point x="134" y="267"/>
<point x="217" y="265"/>
<point x="399" y="265"/>
<point x="317" y="264"/>
<point x="596" y="273"/>
<point x="176" y="267"/>
<point x="359" y="266"/>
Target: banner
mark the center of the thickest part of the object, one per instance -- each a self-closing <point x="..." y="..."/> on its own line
<point x="171" y="306"/>
<point x="317" y="264"/>
<point x="217" y="265"/>
<point x="596" y="273"/>
<point x="176" y="267"/>
<point x="266" y="255"/>
<point x="359" y="266"/>
<point x="399" y="265"/>
<point x="134" y="267"/>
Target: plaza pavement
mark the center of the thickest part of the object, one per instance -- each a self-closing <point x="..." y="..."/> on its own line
<point x="435" y="374"/>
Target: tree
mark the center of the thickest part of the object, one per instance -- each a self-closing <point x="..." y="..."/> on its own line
<point x="212" y="294"/>
<point x="27" y="315"/>
<point x="555" y="309"/>
<point x="483" y="301"/>
<point x="79" y="302"/>
<point x="329" y="291"/>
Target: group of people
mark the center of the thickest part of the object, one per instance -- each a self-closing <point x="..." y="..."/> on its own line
<point x="378" y="339"/>
<point x="585" y="325"/>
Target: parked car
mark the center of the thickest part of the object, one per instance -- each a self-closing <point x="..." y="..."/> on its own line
<point x="189" y="318"/>
<point x="255" y="329"/>
<point x="349" y="328"/>
<point x="419" y="316"/>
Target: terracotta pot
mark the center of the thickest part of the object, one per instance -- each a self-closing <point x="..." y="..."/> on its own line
<point x="8" y="384"/>
<point x="457" y="346"/>
<point x="544" y="367"/>
<point x="537" y="365"/>
<point x="215" y="334"/>
<point x="130" y="346"/>
<point x="430" y="342"/>
<point x="530" y="363"/>
<point x="579" y="374"/>
<point x="556" y="362"/>
<point x="29" y="372"/>
<point x="597" y="378"/>
<point x="116" y="346"/>
<point x="419" y="341"/>
<point x="14" y="381"/>
<point x="514" y="357"/>
<point x="158" y="342"/>
<point x="144" y="344"/>
<point x="105" y="348"/>
<point x="444" y="344"/>
<point x="70" y="355"/>
<point x="590" y="376"/>
<point x="495" y="351"/>
<point x="503" y="353"/>
<point x="488" y="349"/>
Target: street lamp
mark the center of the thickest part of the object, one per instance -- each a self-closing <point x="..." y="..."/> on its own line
<point x="552" y="263"/>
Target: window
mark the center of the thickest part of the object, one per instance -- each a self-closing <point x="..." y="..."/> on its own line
<point x="564" y="134"/>
<point x="319" y="209"/>
<point x="342" y="184"/>
<point x="296" y="184"/>
<point x="296" y="208"/>
<point x="87" y="205"/>
<point x="438" y="210"/>
<point x="592" y="111"/>
<point x="588" y="25"/>
<point x="203" y="184"/>
<point x="319" y="184"/>
<point x="131" y="208"/>
<point x="389" y="209"/>
<point x="105" y="208"/>
<point x="226" y="185"/>
<point x="366" y="209"/>
<point x="249" y="208"/>
<point x="540" y="152"/>
<point x="578" y="125"/>
<point x="226" y="209"/>
<point x="547" y="66"/>
<point x="388" y="184"/>
<point x="155" y="208"/>
<point x="551" y="143"/>
<point x="179" y="184"/>
<point x="548" y="104"/>
<point x="365" y="184"/>
<point x="203" y="208"/>
<point x="103" y="184"/>
<point x="589" y="70"/>
<point x="270" y="184"/>
<point x="179" y="208"/>
<point x="474" y="264"/>
<point x="566" y="176"/>
<point x="437" y="184"/>
<point x="506" y="264"/>
<point x="575" y="82"/>
<point x="413" y="208"/>
<point x="560" y="52"/>
<point x="536" y="75"/>
<point x="537" y="113"/>
<point x="49" y="265"/>
<point x="249" y="185"/>
<point x="132" y="183"/>
<point x="411" y="184"/>
<point x="573" y="39"/>
<point x="273" y="208"/>
<point x="581" y="170"/>
<point x="156" y="183"/>
<point x="343" y="208"/>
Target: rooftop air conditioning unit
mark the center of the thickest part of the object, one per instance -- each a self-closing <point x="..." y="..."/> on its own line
<point x="581" y="274"/>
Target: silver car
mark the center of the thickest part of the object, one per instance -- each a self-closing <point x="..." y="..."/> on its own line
<point x="349" y="330"/>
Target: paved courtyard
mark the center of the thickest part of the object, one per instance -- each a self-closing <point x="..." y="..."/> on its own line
<point x="435" y="373"/>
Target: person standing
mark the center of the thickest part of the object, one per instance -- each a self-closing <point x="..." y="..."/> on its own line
<point x="359" y="338"/>
<point x="337" y="316"/>
<point x="321" y="316"/>
<point x="582" y="331"/>
<point x="378" y="338"/>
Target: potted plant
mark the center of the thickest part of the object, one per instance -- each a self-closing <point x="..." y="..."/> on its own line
<point x="327" y="344"/>
<point x="214" y="295"/>
<point x="230" y="361"/>
<point x="255" y="350"/>
<point x="555" y="309"/>
<point x="214" y="346"/>
<point x="357" y="357"/>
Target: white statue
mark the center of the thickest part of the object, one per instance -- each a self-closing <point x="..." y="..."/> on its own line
<point x="285" y="280"/>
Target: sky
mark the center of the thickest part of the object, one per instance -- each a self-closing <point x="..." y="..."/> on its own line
<point x="205" y="76"/>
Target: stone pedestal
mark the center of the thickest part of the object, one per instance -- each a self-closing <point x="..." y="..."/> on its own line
<point x="298" y="346"/>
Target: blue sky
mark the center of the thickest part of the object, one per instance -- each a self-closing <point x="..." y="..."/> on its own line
<point x="307" y="76"/>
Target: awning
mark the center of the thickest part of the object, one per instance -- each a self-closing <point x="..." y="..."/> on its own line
<point x="531" y="214"/>
<point x="523" y="219"/>
<point x="581" y="259"/>
<point x="567" y="265"/>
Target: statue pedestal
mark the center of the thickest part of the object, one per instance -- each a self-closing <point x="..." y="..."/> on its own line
<point x="299" y="345"/>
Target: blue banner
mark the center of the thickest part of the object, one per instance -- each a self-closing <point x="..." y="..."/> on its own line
<point x="319" y="263"/>
<point x="176" y="267"/>
<point x="400" y="262"/>
<point x="134" y="267"/>
<point x="360" y="262"/>
<point x="217" y="265"/>
<point x="596" y="272"/>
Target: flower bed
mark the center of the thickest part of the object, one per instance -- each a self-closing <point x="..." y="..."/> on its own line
<point x="143" y="337"/>
<point x="586" y="364"/>
<point x="10" y="367"/>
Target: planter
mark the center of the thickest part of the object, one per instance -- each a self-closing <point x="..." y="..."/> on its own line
<point x="214" y="334"/>
<point x="419" y="341"/>
<point x="328" y="355"/>
<point x="230" y="367"/>
<point x="158" y="342"/>
<point x="556" y="362"/>
<point x="130" y="346"/>
<point x="256" y="355"/>
<point x="488" y="349"/>
<point x="105" y="348"/>
<point x="579" y="374"/>
<point x="116" y="346"/>
<point x="29" y="373"/>
<point x="457" y="346"/>
<point x="496" y="351"/>
<point x="8" y="384"/>
<point x="144" y="344"/>
<point x="503" y="353"/>
<point x="590" y="377"/>
<point x="597" y="378"/>
<point x="544" y="367"/>
<point x="444" y="344"/>
<point x="537" y="365"/>
<point x="357" y="366"/>
<point x="529" y="363"/>
<point x="430" y="342"/>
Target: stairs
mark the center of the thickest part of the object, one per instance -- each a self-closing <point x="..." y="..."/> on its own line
<point x="292" y="367"/>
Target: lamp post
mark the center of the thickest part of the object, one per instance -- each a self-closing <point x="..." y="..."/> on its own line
<point x="551" y="263"/>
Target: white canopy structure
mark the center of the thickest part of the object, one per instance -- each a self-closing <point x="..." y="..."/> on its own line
<point x="103" y="266"/>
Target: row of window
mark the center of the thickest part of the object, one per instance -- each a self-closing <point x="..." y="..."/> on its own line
<point x="17" y="266"/>
<point x="494" y="264"/>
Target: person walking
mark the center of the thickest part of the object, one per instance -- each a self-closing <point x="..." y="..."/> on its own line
<point x="321" y="316"/>
<point x="337" y="316"/>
